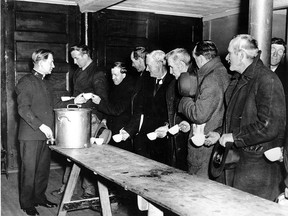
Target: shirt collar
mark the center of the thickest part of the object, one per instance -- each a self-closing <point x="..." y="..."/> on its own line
<point x="38" y="74"/>
<point x="160" y="80"/>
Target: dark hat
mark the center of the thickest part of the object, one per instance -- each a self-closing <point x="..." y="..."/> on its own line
<point x="187" y="84"/>
<point x="99" y="129"/>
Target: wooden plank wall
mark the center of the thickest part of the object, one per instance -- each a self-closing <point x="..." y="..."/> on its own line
<point x="117" y="33"/>
<point x="112" y="35"/>
<point x="30" y="26"/>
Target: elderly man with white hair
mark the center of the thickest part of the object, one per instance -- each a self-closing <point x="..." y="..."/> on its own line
<point x="154" y="108"/>
<point x="254" y="120"/>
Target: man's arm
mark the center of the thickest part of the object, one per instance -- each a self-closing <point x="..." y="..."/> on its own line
<point x="201" y="110"/>
<point x="24" y="90"/>
<point x="270" y="106"/>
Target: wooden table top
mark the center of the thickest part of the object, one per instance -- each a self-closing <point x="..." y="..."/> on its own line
<point x="168" y="187"/>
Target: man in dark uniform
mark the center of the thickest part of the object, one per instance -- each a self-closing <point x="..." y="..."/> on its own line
<point x="35" y="107"/>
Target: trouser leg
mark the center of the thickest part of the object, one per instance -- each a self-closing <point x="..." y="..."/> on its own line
<point x="42" y="171"/>
<point x="88" y="182"/>
<point x="27" y="178"/>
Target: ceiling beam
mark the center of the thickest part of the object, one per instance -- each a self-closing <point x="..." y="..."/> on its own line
<point x="95" y="5"/>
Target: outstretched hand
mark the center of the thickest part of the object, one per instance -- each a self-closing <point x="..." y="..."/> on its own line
<point x="96" y="99"/>
<point x="125" y="134"/>
<point x="162" y="131"/>
<point x="184" y="126"/>
<point x="80" y="99"/>
<point x="211" y="138"/>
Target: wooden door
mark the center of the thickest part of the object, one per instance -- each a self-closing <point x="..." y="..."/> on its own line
<point x="30" y="26"/>
<point x="116" y="33"/>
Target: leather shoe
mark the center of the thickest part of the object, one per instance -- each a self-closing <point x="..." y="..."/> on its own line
<point x="31" y="211"/>
<point x="46" y="204"/>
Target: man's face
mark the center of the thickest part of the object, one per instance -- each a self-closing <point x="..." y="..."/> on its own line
<point x="175" y="67"/>
<point x="233" y="59"/>
<point x="46" y="66"/>
<point x="117" y="76"/>
<point x="80" y="59"/>
<point x="277" y="53"/>
<point x="137" y="64"/>
<point x="153" y="67"/>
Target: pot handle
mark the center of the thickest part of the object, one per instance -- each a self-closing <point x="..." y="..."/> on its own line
<point x="62" y="117"/>
<point x="75" y="105"/>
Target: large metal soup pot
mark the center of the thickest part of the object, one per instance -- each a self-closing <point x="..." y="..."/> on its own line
<point x="72" y="127"/>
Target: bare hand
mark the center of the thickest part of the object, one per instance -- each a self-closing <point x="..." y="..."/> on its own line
<point x="211" y="138"/>
<point x="47" y="131"/>
<point x="184" y="126"/>
<point x="80" y="99"/>
<point x="87" y="96"/>
<point x="162" y="131"/>
<point x="96" y="99"/>
<point x="226" y="138"/>
<point x="124" y="134"/>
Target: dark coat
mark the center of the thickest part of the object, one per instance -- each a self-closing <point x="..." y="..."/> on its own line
<point x="118" y="109"/>
<point x="155" y="115"/>
<point x="256" y="118"/>
<point x="92" y="79"/>
<point x="35" y="106"/>
<point x="177" y="148"/>
<point x="155" y="106"/>
<point x="118" y="106"/>
<point x="137" y="101"/>
<point x="260" y="120"/>
<point x="282" y="72"/>
<point x="208" y="107"/>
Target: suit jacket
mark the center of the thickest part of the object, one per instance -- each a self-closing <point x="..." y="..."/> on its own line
<point x="155" y="106"/>
<point x="35" y="106"/>
<point x="137" y="102"/>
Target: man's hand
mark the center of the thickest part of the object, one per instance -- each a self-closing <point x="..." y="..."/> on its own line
<point x="226" y="138"/>
<point x="96" y="99"/>
<point x="47" y="131"/>
<point x="124" y="134"/>
<point x="184" y="126"/>
<point x="211" y="138"/>
<point x="80" y="99"/>
<point x="162" y="131"/>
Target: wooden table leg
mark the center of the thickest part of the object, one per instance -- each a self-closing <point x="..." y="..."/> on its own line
<point x="68" y="193"/>
<point x="104" y="199"/>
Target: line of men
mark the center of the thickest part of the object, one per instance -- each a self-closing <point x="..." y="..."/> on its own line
<point x="162" y="104"/>
<point x="245" y="111"/>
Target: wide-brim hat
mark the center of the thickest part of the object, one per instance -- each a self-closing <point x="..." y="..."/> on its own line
<point x="99" y="129"/>
<point x="103" y="132"/>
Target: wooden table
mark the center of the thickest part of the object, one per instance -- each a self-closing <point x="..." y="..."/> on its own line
<point x="164" y="186"/>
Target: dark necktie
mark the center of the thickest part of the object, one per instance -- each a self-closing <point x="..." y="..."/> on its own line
<point x="157" y="85"/>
